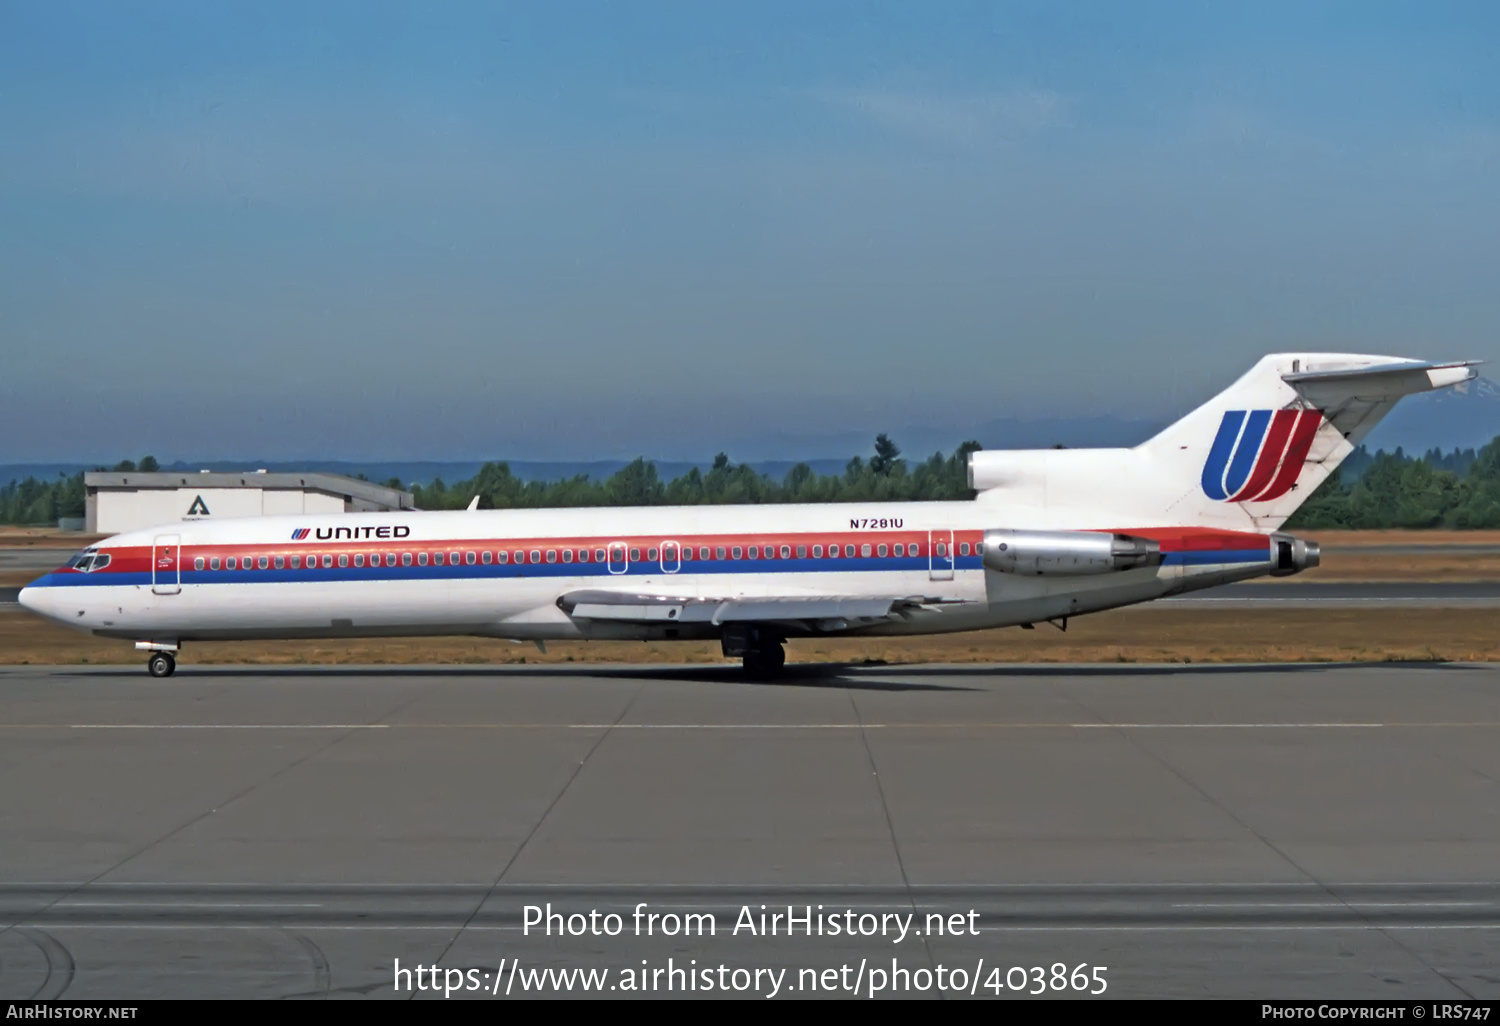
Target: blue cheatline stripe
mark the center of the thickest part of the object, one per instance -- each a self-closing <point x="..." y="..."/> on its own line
<point x="511" y="571"/>
<point x="1218" y="455"/>
<point x="1245" y="453"/>
<point x="1213" y="556"/>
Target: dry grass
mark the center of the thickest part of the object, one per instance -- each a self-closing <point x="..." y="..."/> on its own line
<point x="1142" y="634"/>
<point x="1347" y="538"/>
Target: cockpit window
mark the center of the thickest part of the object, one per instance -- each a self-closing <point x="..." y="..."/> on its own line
<point x="88" y="561"/>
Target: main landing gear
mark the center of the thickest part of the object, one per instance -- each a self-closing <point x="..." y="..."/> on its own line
<point x="765" y="660"/>
<point x="761" y="650"/>
<point x="161" y="664"/>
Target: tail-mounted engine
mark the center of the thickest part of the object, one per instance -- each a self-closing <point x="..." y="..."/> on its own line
<point x="1067" y="553"/>
<point x="1292" y="555"/>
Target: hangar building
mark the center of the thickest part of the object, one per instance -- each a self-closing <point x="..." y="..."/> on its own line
<point x="131" y="500"/>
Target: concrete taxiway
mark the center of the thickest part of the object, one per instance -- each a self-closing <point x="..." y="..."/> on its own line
<point x="1289" y="831"/>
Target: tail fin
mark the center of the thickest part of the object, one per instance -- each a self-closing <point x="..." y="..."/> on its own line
<point x="1245" y="460"/>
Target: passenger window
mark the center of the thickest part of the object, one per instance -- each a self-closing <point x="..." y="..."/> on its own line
<point x="817" y="552"/>
<point x="736" y="552"/>
<point x="503" y="556"/>
<point x="687" y="552"/>
<point x="296" y="562"/>
<point x="390" y="559"/>
<point x="248" y="563"/>
<point x="406" y="559"/>
<point x="359" y="559"/>
<point x="421" y="559"/>
<point x="198" y="563"/>
<point x="568" y="555"/>
<point x="864" y="550"/>
<point x="900" y="549"/>
<point x="833" y="552"/>
<point x="536" y="555"/>
<point x="437" y="559"/>
<point x="280" y="562"/>
<point x="552" y="555"/>
<point x="801" y="551"/>
<point x="942" y="549"/>
<point x="635" y="555"/>
<point x="651" y="555"/>
<point x="453" y="559"/>
<point x="963" y="548"/>
<point x="786" y="552"/>
<point x="720" y="552"/>
<point x="755" y="552"/>
<point x="470" y="558"/>
<point x="487" y="556"/>
<point x="914" y="550"/>
<point x="343" y="559"/>
<point x="230" y="563"/>
<point x="213" y="562"/>
<point x="703" y="552"/>
<point x="881" y="551"/>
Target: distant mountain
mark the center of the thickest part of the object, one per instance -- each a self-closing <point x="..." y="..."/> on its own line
<point x="1464" y="417"/>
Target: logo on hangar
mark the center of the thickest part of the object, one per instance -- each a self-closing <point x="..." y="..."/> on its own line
<point x="1258" y="454"/>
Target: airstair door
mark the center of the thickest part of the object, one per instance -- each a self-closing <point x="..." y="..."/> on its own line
<point x="166" y="571"/>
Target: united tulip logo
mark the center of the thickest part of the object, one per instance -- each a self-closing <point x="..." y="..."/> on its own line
<point x="1258" y="454"/>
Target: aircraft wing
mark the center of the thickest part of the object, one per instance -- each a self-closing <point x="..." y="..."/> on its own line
<point x="820" y="612"/>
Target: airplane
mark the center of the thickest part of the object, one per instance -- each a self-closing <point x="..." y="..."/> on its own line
<point x="1051" y="534"/>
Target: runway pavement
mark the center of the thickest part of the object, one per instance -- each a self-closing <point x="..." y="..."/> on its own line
<point x="1289" y="831"/>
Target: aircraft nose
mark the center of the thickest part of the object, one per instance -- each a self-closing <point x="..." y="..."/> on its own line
<point x="35" y="599"/>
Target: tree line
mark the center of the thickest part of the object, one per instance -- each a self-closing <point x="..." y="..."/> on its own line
<point x="1459" y="489"/>
<point x="883" y="477"/>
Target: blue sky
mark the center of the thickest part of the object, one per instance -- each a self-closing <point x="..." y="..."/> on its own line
<point x="572" y="230"/>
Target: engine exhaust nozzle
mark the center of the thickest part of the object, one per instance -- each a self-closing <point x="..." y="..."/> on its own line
<point x="1293" y="555"/>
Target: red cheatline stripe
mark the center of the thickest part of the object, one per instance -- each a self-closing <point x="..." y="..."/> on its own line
<point x="1270" y="455"/>
<point x="1308" y="423"/>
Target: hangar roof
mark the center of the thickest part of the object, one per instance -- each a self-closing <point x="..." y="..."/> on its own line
<point x="332" y="484"/>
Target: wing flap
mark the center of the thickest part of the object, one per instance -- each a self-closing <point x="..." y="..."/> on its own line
<point x="829" y="612"/>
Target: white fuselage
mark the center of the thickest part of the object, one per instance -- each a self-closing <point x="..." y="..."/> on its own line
<point x="507" y="573"/>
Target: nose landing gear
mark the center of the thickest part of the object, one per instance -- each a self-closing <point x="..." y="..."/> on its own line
<point x="161" y="664"/>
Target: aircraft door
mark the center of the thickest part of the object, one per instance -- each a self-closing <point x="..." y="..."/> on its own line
<point x="940" y="555"/>
<point x="671" y="557"/>
<point x="166" y="571"/>
<point x="619" y="557"/>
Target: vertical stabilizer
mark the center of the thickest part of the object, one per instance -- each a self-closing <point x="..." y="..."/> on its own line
<point x="1245" y="460"/>
<point x="1255" y="452"/>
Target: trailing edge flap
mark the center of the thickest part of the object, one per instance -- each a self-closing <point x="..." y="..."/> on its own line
<point x="832" y="611"/>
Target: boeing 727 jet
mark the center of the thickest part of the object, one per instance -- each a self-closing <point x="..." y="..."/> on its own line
<point x="1051" y="534"/>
